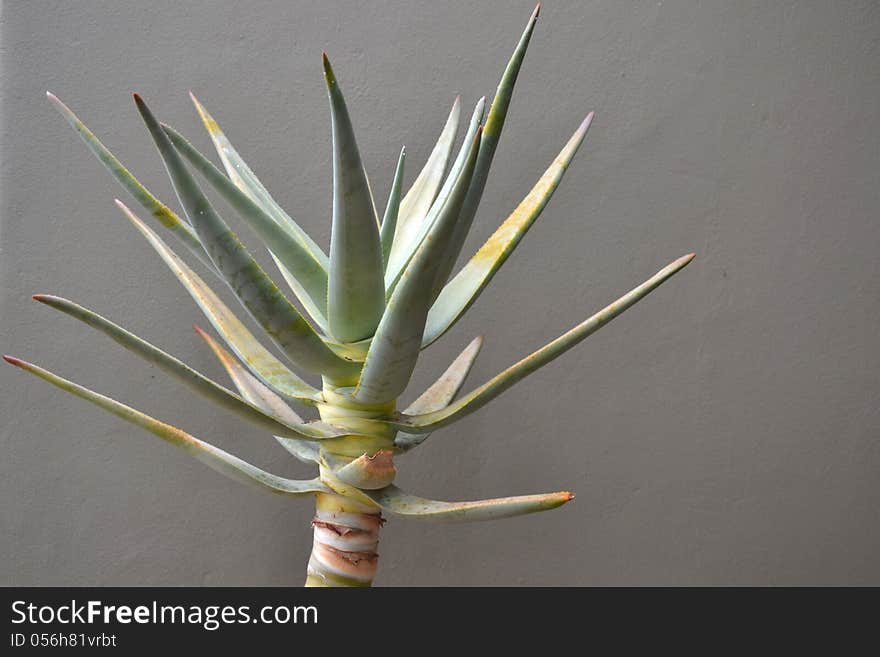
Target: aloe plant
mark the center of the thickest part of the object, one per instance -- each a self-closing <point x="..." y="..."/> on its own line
<point x="364" y="313"/>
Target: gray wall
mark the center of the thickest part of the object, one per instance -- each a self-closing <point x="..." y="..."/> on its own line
<point x="725" y="431"/>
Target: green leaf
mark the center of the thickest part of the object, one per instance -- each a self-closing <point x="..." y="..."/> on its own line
<point x="256" y="291"/>
<point x="242" y="176"/>
<point x="395" y="347"/>
<point x="392" y="276"/>
<point x="320" y="318"/>
<point x="258" y="359"/>
<point x="298" y="263"/>
<point x="394" y="501"/>
<point x="356" y="289"/>
<point x="478" y="398"/>
<point x="488" y="144"/>
<point x="458" y="295"/>
<point x="418" y="200"/>
<point x="389" y="221"/>
<point x="440" y="394"/>
<point x="261" y="396"/>
<point x="132" y="185"/>
<point x="186" y="375"/>
<point x="214" y="457"/>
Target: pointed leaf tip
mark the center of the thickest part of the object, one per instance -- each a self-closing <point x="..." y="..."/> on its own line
<point x="329" y="76"/>
<point x="394" y="501"/>
<point x="355" y="287"/>
<point x="307" y="275"/>
<point x="585" y="124"/>
<point x="255" y="290"/>
<point x="12" y="360"/>
<point x="454" y="299"/>
<point x="132" y="185"/>
<point x="426" y="422"/>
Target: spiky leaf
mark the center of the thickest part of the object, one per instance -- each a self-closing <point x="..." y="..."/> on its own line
<point x="132" y="185"/>
<point x="395" y="347"/>
<point x="440" y="394"/>
<point x="214" y="457"/>
<point x="488" y="145"/>
<point x="418" y="233"/>
<point x="356" y="288"/>
<point x="458" y="295"/>
<point x="392" y="209"/>
<point x="256" y="291"/>
<point x="245" y="179"/>
<point x="186" y="375"/>
<point x="259" y="395"/>
<point x="491" y="389"/>
<point x="308" y="273"/>
<point x="417" y="201"/>
<point x="259" y="360"/>
<point x="396" y="502"/>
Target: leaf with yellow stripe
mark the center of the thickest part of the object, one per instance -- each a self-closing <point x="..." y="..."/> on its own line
<point x="214" y="457"/>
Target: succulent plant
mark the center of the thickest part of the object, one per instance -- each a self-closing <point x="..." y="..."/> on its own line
<point x="384" y="293"/>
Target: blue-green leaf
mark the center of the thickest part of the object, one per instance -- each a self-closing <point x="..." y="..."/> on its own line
<point x="296" y="262"/>
<point x="458" y="295"/>
<point x="260" y="395"/>
<point x="418" y="232"/>
<point x="258" y="359"/>
<point x="355" y="290"/>
<point x="256" y="291"/>
<point x="478" y="398"/>
<point x="214" y="457"/>
<point x="186" y="375"/>
<point x="396" y="502"/>
<point x="242" y="176"/>
<point x="418" y="200"/>
<point x="389" y="221"/>
<point x="132" y="185"/>
<point x="488" y="145"/>
<point x="395" y="347"/>
<point x="440" y="394"/>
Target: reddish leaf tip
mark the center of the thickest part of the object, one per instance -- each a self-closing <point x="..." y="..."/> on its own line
<point x="139" y="101"/>
<point x="12" y="360"/>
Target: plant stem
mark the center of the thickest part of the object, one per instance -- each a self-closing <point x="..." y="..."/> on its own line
<point x="346" y="538"/>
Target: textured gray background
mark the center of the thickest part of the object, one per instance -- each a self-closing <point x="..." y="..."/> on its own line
<point x="725" y="431"/>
